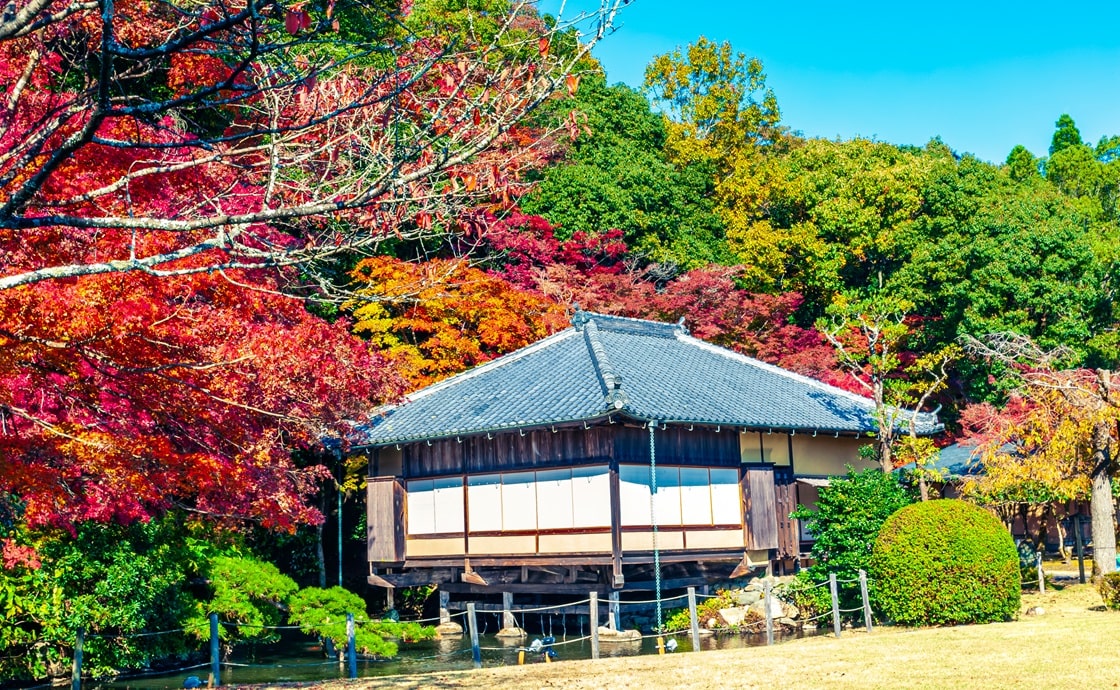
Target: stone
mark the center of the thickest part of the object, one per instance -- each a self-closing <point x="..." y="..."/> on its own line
<point x="734" y="616"/>
<point x="775" y="608"/>
<point x="449" y="628"/>
<point x="1036" y="611"/>
<point x="511" y="633"/>
<point x="608" y="635"/>
<point x="790" y="610"/>
<point x="746" y="597"/>
<point x="713" y="623"/>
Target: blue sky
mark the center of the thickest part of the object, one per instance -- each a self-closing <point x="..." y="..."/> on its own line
<point x="985" y="76"/>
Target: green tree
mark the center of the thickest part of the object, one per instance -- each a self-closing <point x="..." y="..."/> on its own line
<point x="714" y="97"/>
<point x="615" y="175"/>
<point x="322" y="612"/>
<point x="1021" y="164"/>
<point x="1066" y="134"/>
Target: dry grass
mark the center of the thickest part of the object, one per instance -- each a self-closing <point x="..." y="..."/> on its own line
<point x="1073" y="644"/>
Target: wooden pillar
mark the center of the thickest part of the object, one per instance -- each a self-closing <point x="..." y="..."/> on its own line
<point x="508" y="621"/>
<point x="617" y="579"/>
<point x="444" y="607"/>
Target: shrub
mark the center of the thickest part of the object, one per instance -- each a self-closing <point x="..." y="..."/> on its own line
<point x="706" y="610"/>
<point x="806" y="595"/>
<point x="849" y="513"/>
<point x="323" y="612"/>
<point x="945" y="562"/>
<point x="1109" y="587"/>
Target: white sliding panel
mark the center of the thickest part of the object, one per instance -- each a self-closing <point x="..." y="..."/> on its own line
<point x="484" y="495"/>
<point x="634" y="494"/>
<point x="591" y="497"/>
<point x="727" y="507"/>
<point x="449" y="507"/>
<point x="696" y="496"/>
<point x="519" y="501"/>
<point x="554" y="499"/>
<point x="421" y="506"/>
<point x="668" y="501"/>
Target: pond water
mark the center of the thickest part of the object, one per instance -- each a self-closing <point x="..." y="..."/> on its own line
<point x="299" y="658"/>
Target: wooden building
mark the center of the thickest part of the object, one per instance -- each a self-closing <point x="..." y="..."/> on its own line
<point x="579" y="461"/>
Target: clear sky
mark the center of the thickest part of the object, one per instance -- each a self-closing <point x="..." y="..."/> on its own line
<point x="984" y="76"/>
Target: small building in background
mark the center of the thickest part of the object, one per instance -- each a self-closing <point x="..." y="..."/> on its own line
<point x="577" y="462"/>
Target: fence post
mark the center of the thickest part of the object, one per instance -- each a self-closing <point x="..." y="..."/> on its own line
<point x="693" y="619"/>
<point x="866" y="599"/>
<point x="835" y="603"/>
<point x="215" y="657"/>
<point x="1038" y="565"/>
<point x="614" y="615"/>
<point x="351" y="647"/>
<point x="79" y="643"/>
<point x="1080" y="550"/>
<point x="472" y="621"/>
<point x="766" y="599"/>
<point x="594" y="620"/>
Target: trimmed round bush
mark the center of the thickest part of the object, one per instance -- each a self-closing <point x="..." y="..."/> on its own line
<point x="943" y="563"/>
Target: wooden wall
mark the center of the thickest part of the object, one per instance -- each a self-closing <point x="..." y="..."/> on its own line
<point x="565" y="447"/>
<point x="511" y="451"/>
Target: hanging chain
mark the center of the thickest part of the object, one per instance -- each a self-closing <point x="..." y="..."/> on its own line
<point x="653" y="520"/>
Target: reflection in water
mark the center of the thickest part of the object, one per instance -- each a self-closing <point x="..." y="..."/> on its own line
<point x="296" y="658"/>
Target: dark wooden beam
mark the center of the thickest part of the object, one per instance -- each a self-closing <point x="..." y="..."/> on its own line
<point x="617" y="579"/>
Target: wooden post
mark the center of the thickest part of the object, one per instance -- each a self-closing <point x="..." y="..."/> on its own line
<point x="79" y="644"/>
<point x="1038" y="565"/>
<point x="390" y="599"/>
<point x="508" y="621"/>
<point x="866" y="599"/>
<point x="594" y="620"/>
<point x="351" y="647"/>
<point x="613" y="616"/>
<point x="766" y="595"/>
<point x="472" y="621"/>
<point x="215" y="668"/>
<point x="1080" y="549"/>
<point x="693" y="619"/>
<point x="835" y="603"/>
<point x="444" y="607"/>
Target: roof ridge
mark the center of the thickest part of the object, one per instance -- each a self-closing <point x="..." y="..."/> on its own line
<point x="610" y="380"/>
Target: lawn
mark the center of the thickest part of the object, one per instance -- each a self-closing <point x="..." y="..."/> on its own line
<point x="1074" y="643"/>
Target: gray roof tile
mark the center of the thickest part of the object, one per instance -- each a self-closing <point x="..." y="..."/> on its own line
<point x="653" y="370"/>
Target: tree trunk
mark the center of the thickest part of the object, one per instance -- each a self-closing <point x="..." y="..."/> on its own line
<point x="320" y="555"/>
<point x="1101" y="507"/>
<point x="885" y="459"/>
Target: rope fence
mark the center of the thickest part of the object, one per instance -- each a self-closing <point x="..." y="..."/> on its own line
<point x="545" y="646"/>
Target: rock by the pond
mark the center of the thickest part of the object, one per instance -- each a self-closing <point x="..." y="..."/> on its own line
<point x="746" y="597"/>
<point x="776" y="611"/>
<point x="608" y="635"/>
<point x="511" y="632"/>
<point x="734" y="616"/>
<point x="449" y="628"/>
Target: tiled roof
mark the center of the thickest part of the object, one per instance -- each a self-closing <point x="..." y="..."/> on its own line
<point x="612" y="365"/>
